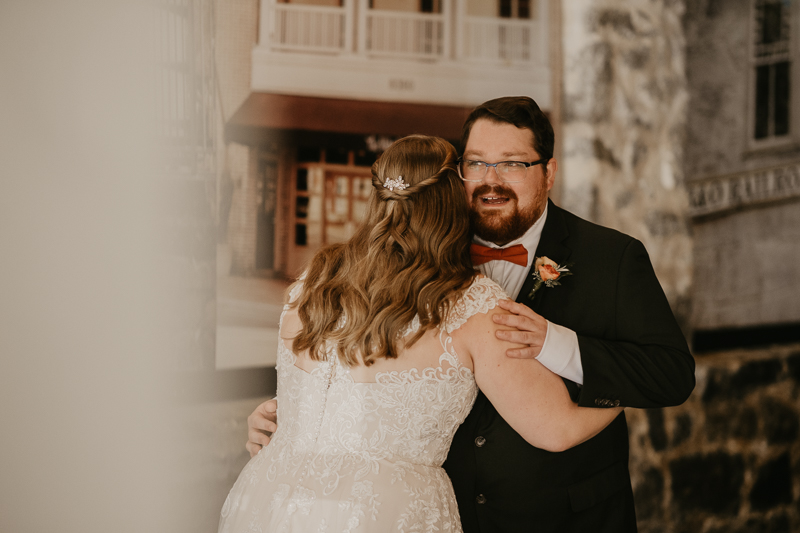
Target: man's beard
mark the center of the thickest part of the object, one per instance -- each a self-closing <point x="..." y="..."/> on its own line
<point x="500" y="228"/>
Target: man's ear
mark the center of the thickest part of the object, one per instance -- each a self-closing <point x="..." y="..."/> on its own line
<point x="552" y="169"/>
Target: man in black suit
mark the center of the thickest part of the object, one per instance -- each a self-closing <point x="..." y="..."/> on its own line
<point x="604" y="326"/>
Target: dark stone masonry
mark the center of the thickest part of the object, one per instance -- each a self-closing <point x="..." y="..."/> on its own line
<point x="773" y="485"/>
<point x="728" y="460"/>
<point x="707" y="482"/>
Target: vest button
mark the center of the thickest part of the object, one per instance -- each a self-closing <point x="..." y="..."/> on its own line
<point x="480" y="499"/>
<point x="480" y="441"/>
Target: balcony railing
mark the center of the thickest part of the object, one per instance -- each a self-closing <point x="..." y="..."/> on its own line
<point x="297" y="27"/>
<point x="358" y="30"/>
<point x="496" y="39"/>
<point x="398" y="34"/>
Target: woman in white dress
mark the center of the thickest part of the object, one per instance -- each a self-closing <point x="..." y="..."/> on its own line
<point x="385" y="342"/>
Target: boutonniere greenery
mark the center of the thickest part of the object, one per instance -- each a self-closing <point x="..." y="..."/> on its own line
<point x="548" y="273"/>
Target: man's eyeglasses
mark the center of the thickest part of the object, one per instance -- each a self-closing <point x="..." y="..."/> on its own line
<point x="507" y="171"/>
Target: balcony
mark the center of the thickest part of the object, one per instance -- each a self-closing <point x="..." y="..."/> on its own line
<point x="354" y="51"/>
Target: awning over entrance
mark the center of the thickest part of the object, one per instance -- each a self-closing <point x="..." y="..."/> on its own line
<point x="264" y="115"/>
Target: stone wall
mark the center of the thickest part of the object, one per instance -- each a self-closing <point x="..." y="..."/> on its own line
<point x="728" y="460"/>
<point x="624" y="115"/>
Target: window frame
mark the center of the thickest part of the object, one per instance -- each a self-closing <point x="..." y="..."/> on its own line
<point x="792" y="138"/>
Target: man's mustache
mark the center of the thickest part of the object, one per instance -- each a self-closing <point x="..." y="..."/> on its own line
<point x="498" y="190"/>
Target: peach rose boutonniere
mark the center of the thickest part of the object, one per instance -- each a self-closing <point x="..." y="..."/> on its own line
<point x="548" y="273"/>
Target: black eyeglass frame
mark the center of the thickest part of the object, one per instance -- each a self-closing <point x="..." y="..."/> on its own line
<point x="461" y="160"/>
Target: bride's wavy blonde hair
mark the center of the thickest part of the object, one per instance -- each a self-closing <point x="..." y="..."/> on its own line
<point x="410" y="257"/>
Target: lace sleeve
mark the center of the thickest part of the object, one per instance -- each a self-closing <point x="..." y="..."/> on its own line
<point x="294" y="293"/>
<point x="285" y="355"/>
<point x="480" y="297"/>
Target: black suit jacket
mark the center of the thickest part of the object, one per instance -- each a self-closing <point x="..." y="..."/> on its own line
<point x="633" y="354"/>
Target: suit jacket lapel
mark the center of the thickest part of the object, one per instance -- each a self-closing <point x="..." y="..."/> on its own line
<point x="551" y="244"/>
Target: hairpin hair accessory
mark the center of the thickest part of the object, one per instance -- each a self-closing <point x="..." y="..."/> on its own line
<point x="395" y="184"/>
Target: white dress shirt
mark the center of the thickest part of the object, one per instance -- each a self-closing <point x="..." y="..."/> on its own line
<point x="560" y="353"/>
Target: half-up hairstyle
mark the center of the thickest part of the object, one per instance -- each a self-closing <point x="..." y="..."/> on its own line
<point x="410" y="257"/>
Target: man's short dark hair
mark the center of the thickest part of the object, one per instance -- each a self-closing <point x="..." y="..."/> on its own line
<point x="522" y="112"/>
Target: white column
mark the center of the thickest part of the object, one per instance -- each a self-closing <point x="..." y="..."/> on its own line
<point x="265" y="23"/>
<point x="363" y="7"/>
<point x="540" y="43"/>
<point x="458" y="29"/>
<point x="349" y="25"/>
<point x="447" y="33"/>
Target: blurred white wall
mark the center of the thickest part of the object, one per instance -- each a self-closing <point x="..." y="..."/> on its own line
<point x="86" y="440"/>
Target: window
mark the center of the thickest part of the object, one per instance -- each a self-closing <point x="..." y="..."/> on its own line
<point x="518" y="9"/>
<point x="772" y="70"/>
<point x="332" y="187"/>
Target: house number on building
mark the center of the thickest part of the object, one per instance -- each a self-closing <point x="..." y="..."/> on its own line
<point x="399" y="84"/>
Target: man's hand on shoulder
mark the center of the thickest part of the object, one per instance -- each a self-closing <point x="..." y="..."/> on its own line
<point x="260" y="425"/>
<point x="532" y="329"/>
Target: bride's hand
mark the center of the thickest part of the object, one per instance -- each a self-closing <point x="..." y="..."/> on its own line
<point x="532" y="329"/>
<point x="260" y="425"/>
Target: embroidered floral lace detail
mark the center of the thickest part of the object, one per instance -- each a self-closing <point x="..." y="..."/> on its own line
<point x="481" y="297"/>
<point x="357" y="457"/>
<point x="302" y="500"/>
<point x="279" y="496"/>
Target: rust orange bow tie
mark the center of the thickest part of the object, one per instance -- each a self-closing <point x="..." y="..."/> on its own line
<point x="516" y="254"/>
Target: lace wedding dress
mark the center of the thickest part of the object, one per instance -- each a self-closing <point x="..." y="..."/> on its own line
<point x="361" y="456"/>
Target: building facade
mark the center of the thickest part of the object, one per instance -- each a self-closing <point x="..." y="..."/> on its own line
<point x="335" y="82"/>
<point x="743" y="170"/>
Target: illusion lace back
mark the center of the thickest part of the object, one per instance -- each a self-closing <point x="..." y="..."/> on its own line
<point x="354" y="456"/>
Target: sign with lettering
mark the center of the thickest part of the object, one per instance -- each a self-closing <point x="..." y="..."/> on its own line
<point x="722" y="193"/>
